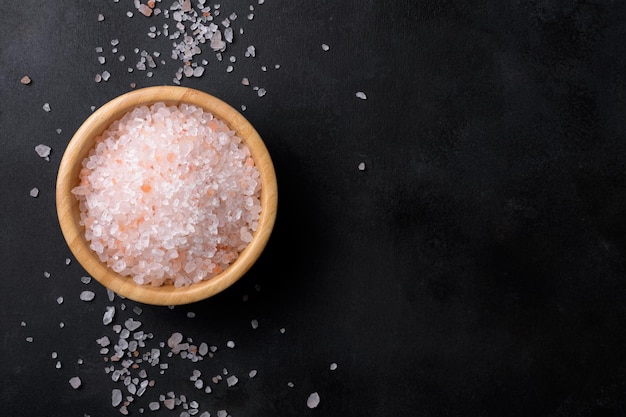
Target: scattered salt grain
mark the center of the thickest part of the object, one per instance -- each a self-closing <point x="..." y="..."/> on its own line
<point x="26" y="80"/>
<point x="100" y="17"/>
<point x="230" y="344"/>
<point x="34" y="193"/>
<point x="261" y="92"/>
<point x="23" y="324"/>
<point x="252" y="373"/>
<point x="254" y="324"/>
<point x="68" y="261"/>
<point x="61" y="325"/>
<point x="106" y="75"/>
<point x="110" y="295"/>
<point x="232" y="380"/>
<point x="101" y="59"/>
<point x="282" y="330"/>
<point x="361" y="95"/>
<point x="116" y="397"/>
<point x="43" y="151"/>
<point x="191" y="314"/>
<point x="132" y="325"/>
<point x="362" y="166"/>
<point x="75" y="382"/>
<point x="46" y="107"/>
<point x="58" y="131"/>
<point x="60" y="300"/>
<point x="245" y="81"/>
<point x="333" y="366"/>
<point x="46" y="274"/>
<point x="85" y="279"/>
<point x="29" y="339"/>
<point x="87" y="295"/>
<point x="153" y="406"/>
<point x="290" y="384"/>
<point x="58" y="365"/>
<point x="107" y="318"/>
<point x="325" y="47"/>
<point x="54" y="355"/>
<point x="313" y="400"/>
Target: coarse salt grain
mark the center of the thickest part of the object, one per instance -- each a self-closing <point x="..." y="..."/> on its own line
<point x="34" y="193"/>
<point x="186" y="199"/>
<point x="313" y="400"/>
<point x="75" y="382"/>
<point x="361" y="166"/>
<point x="361" y="95"/>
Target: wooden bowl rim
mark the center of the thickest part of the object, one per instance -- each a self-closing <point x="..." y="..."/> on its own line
<point x="67" y="204"/>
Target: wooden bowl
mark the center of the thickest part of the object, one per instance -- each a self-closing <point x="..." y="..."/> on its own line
<point x="69" y="213"/>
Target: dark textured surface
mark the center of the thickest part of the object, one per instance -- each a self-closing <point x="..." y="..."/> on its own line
<point x="476" y="267"/>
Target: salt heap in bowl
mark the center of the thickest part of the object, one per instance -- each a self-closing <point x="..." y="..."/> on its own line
<point x="169" y="195"/>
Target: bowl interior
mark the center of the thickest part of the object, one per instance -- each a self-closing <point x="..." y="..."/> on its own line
<point x="69" y="213"/>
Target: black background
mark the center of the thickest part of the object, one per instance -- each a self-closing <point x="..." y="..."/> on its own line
<point x="475" y="267"/>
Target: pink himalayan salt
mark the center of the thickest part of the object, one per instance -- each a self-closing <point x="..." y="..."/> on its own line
<point x="169" y="195"/>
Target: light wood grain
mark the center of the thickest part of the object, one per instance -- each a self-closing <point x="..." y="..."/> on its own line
<point x="68" y="210"/>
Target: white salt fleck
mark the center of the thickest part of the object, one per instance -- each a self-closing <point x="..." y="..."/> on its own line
<point x="100" y="17"/>
<point x="153" y="406"/>
<point x="58" y="131"/>
<point x="43" y="150"/>
<point x="229" y="68"/>
<point x="75" y="382"/>
<point x="29" y="339"/>
<point x="129" y="14"/>
<point x="61" y="325"/>
<point x="46" y="274"/>
<point x="137" y="310"/>
<point x="110" y="295"/>
<point x="361" y="95"/>
<point x="23" y="324"/>
<point x="251" y="16"/>
<point x="198" y="71"/>
<point x="290" y="384"/>
<point x="333" y="366"/>
<point x="87" y="295"/>
<point x="313" y="400"/>
<point x="25" y="80"/>
<point x="282" y="330"/>
<point x="85" y="279"/>
<point x="261" y="92"/>
<point x="132" y="324"/>
<point x="60" y="300"/>
<point x="222" y="413"/>
<point x="230" y="344"/>
<point x="325" y="47"/>
<point x="101" y="59"/>
<point x="232" y="380"/>
<point x="362" y="166"/>
<point x="54" y="355"/>
<point x="108" y="315"/>
<point x="46" y="107"/>
<point x="243" y="107"/>
<point x="254" y="324"/>
<point x="245" y="81"/>
<point x="106" y="75"/>
<point x="252" y="373"/>
<point x="58" y="365"/>
<point x="34" y="193"/>
<point x="68" y="261"/>
<point x="116" y="397"/>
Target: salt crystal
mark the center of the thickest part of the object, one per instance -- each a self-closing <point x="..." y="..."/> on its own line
<point x="58" y="131"/>
<point x="61" y="325"/>
<point x="325" y="47"/>
<point x="106" y="75"/>
<point x="243" y="108"/>
<point x="362" y="166"/>
<point x="245" y="81"/>
<point x="42" y="150"/>
<point x="100" y="17"/>
<point x="108" y="315"/>
<point x="290" y="384"/>
<point x="137" y="310"/>
<point x="361" y="95"/>
<point x="129" y="14"/>
<point x="252" y="373"/>
<point x="313" y="400"/>
<point x="198" y="71"/>
<point x="25" y="80"/>
<point x="232" y="380"/>
<point x="87" y="295"/>
<point x="29" y="339"/>
<point x="46" y="107"/>
<point x="58" y="365"/>
<point x="99" y="49"/>
<point x="85" y="279"/>
<point x="191" y="314"/>
<point x="169" y="403"/>
<point x="230" y="344"/>
<point x="116" y="397"/>
<point x="251" y="16"/>
<point x="282" y="330"/>
<point x="123" y="409"/>
<point x="101" y="59"/>
<point x="153" y="406"/>
<point x="261" y="92"/>
<point x="222" y="413"/>
<point x="68" y="261"/>
<point x="132" y="325"/>
<point x="75" y="382"/>
<point x="23" y="324"/>
<point x="250" y="51"/>
<point x="46" y="274"/>
<point x="333" y="366"/>
<point x="34" y="193"/>
<point x="254" y="324"/>
<point x="144" y="10"/>
<point x="60" y="300"/>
